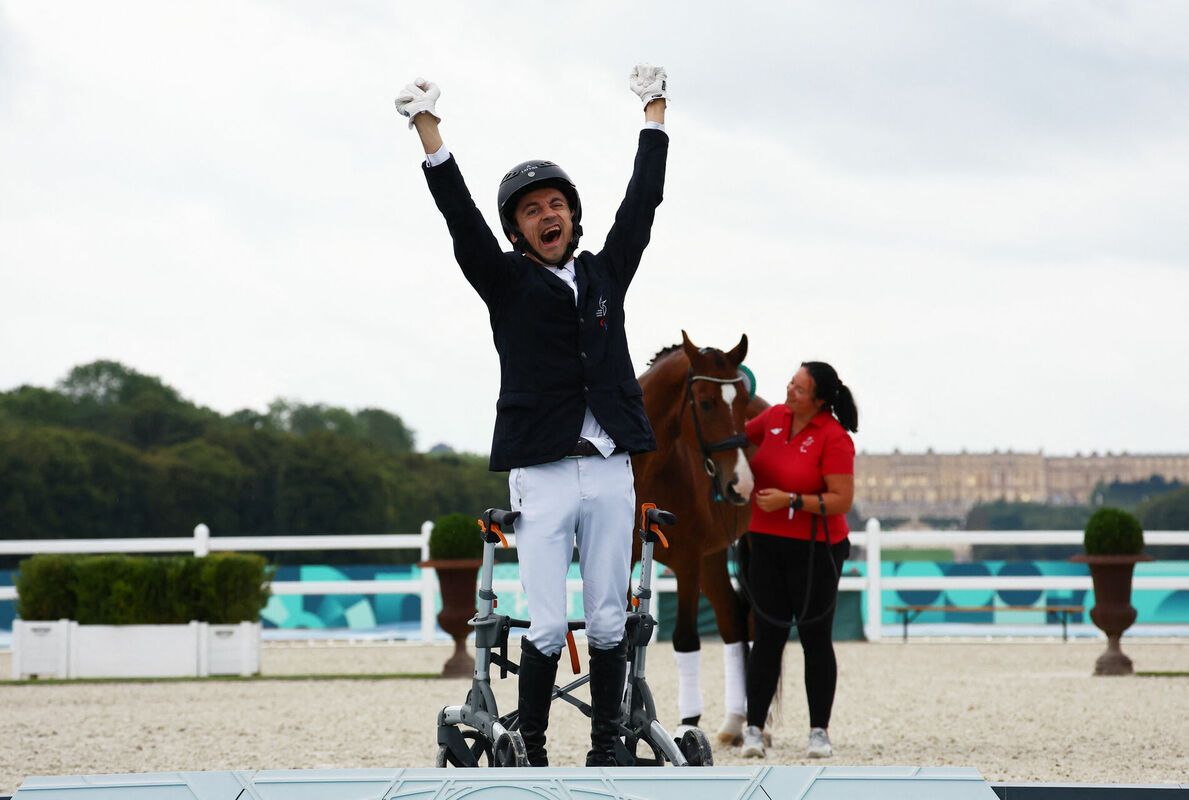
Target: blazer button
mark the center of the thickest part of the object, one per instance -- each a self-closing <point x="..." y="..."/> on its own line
<point x="582" y="354"/>
<point x="582" y="320"/>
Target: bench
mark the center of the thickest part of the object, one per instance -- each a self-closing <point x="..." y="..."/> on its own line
<point x="909" y="613"/>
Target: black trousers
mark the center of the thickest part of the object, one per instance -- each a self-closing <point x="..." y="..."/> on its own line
<point x="780" y="577"/>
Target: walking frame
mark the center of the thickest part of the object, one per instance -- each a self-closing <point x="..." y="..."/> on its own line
<point x="475" y="732"/>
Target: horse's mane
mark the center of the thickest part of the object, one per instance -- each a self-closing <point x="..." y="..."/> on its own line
<point x="667" y="351"/>
<point x="662" y="353"/>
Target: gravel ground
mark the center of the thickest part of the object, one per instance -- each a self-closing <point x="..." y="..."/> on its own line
<point x="1023" y="711"/>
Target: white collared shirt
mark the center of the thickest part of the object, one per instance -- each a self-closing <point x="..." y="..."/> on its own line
<point x="592" y="431"/>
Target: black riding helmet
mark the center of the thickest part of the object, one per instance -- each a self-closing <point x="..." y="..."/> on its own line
<point x="526" y="177"/>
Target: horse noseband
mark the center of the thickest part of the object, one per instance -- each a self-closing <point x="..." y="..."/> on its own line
<point x="739" y="440"/>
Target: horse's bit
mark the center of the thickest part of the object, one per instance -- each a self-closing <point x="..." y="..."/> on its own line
<point x="739" y="440"/>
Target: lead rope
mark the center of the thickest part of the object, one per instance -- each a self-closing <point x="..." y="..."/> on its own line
<point x="800" y="618"/>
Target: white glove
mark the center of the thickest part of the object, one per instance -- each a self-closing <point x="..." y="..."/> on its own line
<point x="418" y="96"/>
<point x="649" y="82"/>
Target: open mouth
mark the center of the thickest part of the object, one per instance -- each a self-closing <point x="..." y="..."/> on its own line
<point x="551" y="236"/>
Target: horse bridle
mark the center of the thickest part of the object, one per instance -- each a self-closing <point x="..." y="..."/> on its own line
<point x="739" y="440"/>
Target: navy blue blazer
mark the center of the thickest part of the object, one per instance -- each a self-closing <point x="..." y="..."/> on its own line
<point x="557" y="358"/>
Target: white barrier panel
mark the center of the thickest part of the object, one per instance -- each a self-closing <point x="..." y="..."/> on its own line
<point x="133" y="651"/>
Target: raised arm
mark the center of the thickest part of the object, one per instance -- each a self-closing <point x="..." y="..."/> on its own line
<point x="476" y="250"/>
<point x="651" y="84"/>
<point x="416" y="101"/>
<point x="632" y="228"/>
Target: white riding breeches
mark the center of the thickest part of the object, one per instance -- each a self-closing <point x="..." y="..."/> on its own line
<point x="589" y="500"/>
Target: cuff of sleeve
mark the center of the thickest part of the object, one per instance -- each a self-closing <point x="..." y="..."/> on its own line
<point x="656" y="126"/>
<point x="438" y="158"/>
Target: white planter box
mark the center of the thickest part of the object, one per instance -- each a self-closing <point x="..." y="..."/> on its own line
<point x="39" y="649"/>
<point x="66" y="649"/>
<point x="232" y="649"/>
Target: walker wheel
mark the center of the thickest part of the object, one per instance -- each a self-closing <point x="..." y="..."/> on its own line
<point x="479" y="746"/>
<point x="696" y="748"/>
<point x="510" y="751"/>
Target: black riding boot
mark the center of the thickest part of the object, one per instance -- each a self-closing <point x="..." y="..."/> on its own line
<point x="606" y="693"/>
<point x="537" y="674"/>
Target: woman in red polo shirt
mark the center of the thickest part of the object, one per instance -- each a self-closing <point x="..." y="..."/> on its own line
<point x="804" y="478"/>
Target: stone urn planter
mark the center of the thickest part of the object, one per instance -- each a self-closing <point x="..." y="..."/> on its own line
<point x="1114" y="544"/>
<point x="455" y="552"/>
<point x="1112" y="611"/>
<point x="457" y="579"/>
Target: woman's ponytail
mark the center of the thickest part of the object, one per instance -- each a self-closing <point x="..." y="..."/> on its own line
<point x="845" y="410"/>
<point x="830" y="388"/>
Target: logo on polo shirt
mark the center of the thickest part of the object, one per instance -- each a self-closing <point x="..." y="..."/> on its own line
<point x="805" y="444"/>
<point x="775" y="431"/>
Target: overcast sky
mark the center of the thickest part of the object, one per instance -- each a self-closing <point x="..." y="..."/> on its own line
<point x="976" y="211"/>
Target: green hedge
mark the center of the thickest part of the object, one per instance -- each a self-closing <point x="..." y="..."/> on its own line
<point x="223" y="588"/>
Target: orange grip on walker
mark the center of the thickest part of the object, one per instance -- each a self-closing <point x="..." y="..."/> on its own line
<point x="644" y="514"/>
<point x="573" y="651"/>
<point x="500" y="534"/>
<point x="496" y="529"/>
<point x="656" y="529"/>
<point x="653" y="527"/>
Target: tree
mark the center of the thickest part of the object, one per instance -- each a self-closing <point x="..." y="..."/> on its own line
<point x="263" y="453"/>
<point x="333" y="485"/>
<point x="1168" y="512"/>
<point x="386" y="431"/>
<point x="63" y="484"/>
<point x="430" y="486"/>
<point x="117" y="401"/>
<point x="307" y="419"/>
<point x="196" y="482"/>
<point x="1001" y="515"/>
<point x="1129" y="495"/>
<point x="1004" y="516"/>
<point x="36" y="406"/>
<point x="113" y="453"/>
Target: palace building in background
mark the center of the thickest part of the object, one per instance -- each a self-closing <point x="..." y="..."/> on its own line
<point x="948" y="485"/>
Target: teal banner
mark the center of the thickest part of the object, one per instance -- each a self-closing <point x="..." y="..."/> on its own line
<point x="372" y="612"/>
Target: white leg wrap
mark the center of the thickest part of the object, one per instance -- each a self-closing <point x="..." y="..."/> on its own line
<point x="689" y="683"/>
<point x="734" y="691"/>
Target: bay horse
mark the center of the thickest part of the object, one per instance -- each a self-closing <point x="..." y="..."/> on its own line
<point x="698" y="401"/>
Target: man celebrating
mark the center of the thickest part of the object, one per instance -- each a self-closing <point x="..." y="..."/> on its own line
<point x="570" y="411"/>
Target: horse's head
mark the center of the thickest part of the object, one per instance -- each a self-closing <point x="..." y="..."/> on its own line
<point x="716" y="398"/>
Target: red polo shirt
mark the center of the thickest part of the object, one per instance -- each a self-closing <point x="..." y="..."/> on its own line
<point x="798" y="464"/>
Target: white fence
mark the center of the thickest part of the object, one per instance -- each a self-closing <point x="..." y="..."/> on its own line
<point x="873" y="583"/>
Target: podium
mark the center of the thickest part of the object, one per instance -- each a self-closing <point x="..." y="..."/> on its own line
<point x="548" y="783"/>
